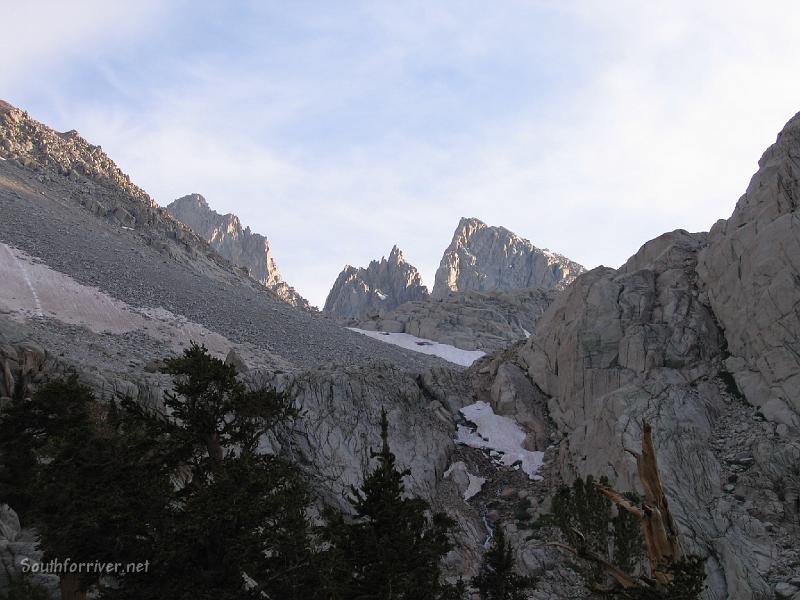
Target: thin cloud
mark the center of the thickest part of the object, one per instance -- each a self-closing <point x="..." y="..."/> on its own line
<point x="338" y="133"/>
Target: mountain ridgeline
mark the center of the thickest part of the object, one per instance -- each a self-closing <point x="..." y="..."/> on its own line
<point x="484" y="259"/>
<point x="689" y="351"/>
<point x="238" y="244"/>
<point x="490" y="289"/>
<point x="375" y="290"/>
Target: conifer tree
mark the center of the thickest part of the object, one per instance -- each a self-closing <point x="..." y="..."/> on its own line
<point x="90" y="488"/>
<point x="393" y="549"/>
<point x="236" y="525"/>
<point x="497" y="579"/>
<point x="627" y="536"/>
<point x="21" y="587"/>
<point x="583" y="515"/>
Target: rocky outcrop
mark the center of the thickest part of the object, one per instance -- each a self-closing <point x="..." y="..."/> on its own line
<point x="65" y="168"/>
<point x="485" y="321"/>
<point x="698" y="334"/>
<point x="656" y="339"/>
<point x="375" y="290"/>
<point x="238" y="244"/>
<point x="483" y="258"/>
<point x="341" y="408"/>
<point x="751" y="273"/>
<point x="641" y="342"/>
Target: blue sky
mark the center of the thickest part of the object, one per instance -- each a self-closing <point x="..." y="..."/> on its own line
<point x="338" y="129"/>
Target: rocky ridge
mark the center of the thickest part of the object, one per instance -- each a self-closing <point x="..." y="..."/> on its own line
<point x="688" y="334"/>
<point x="245" y="249"/>
<point x="375" y="290"/>
<point x="483" y="258"/>
<point x="487" y="321"/>
<point x="151" y="261"/>
<point x="642" y="342"/>
<point x="81" y="174"/>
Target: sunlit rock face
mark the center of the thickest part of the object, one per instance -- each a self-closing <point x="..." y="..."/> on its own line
<point x="483" y="258"/>
<point x="238" y="244"/>
<point x="750" y="271"/>
<point x="382" y="286"/>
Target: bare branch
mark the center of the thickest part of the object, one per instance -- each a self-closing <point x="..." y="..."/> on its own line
<point x="621" y="577"/>
<point x="620" y="500"/>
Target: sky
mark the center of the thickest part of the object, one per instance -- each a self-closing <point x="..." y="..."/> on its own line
<point x="338" y="129"/>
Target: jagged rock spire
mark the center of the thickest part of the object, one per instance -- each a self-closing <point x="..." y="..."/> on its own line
<point x="483" y="258"/>
<point x="376" y="289"/>
<point x="238" y="244"/>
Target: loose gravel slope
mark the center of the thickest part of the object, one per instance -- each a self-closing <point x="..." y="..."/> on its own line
<point x="42" y="219"/>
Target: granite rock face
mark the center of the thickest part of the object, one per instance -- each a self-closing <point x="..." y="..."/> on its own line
<point x="482" y="258"/>
<point x="696" y="333"/>
<point x="375" y="290"/>
<point x="642" y="342"/>
<point x="238" y="244"/>
<point x="485" y="321"/>
<point x="751" y="273"/>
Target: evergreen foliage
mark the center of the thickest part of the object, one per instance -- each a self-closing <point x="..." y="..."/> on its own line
<point x="185" y="489"/>
<point x="21" y="587"/>
<point x="627" y="535"/>
<point x="497" y="579"/>
<point x="688" y="583"/>
<point x="235" y="526"/>
<point x="393" y="548"/>
<point x="583" y="515"/>
<point x="88" y="488"/>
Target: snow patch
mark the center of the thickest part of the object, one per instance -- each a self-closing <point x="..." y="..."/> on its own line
<point x="526" y="332"/>
<point x="381" y="295"/>
<point x="502" y="436"/>
<point x="475" y="482"/>
<point x="410" y="342"/>
<point x="475" y="485"/>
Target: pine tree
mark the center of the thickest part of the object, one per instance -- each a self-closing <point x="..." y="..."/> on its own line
<point x="628" y="540"/>
<point x="236" y="525"/>
<point x="393" y="549"/>
<point x="497" y="579"/>
<point x="583" y="515"/>
<point x="89" y="490"/>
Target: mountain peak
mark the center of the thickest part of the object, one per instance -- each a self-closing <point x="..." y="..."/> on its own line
<point x="396" y="255"/>
<point x="239" y="245"/>
<point x="485" y="258"/>
<point x="6" y="107"/>
<point x="193" y="199"/>
<point x="376" y="289"/>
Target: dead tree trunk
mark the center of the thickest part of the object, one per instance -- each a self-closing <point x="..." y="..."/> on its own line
<point x="660" y="532"/>
<point x="658" y="526"/>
